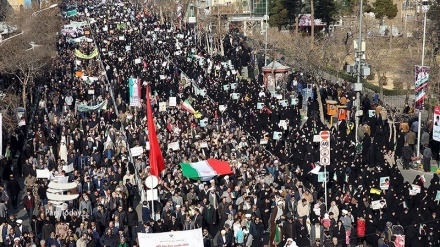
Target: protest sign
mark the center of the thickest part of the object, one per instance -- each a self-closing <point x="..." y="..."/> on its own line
<point x="384" y="183"/>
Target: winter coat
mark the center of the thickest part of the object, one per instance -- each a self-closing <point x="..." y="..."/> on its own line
<point x="86" y="205"/>
<point x="146" y="214"/>
<point x="360" y="228"/>
<point x="132" y="218"/>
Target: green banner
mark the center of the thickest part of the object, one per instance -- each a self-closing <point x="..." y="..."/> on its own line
<point x="121" y="26"/>
<point x="86" y="108"/>
<point x="71" y="13"/>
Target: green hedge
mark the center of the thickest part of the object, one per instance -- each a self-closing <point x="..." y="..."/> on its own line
<point x="352" y="79"/>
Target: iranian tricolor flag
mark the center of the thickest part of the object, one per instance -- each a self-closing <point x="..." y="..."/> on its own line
<point x="205" y="170"/>
<point x="197" y="56"/>
<point x="187" y="106"/>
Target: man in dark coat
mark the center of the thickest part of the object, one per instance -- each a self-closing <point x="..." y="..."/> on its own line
<point x="207" y="239"/>
<point x="209" y="216"/>
<point x="224" y="239"/>
<point x="108" y="239"/>
<point x="427" y="155"/>
<point x="132" y="222"/>
<point x="289" y="228"/>
<point x="101" y="217"/>
<point x="198" y="219"/>
<point x="174" y="224"/>
<point x="14" y="189"/>
<point x="257" y="232"/>
<point x="160" y="227"/>
<point x="302" y="234"/>
<point x="406" y="156"/>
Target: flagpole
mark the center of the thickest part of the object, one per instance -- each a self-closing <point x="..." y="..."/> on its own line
<point x="152" y="201"/>
<point x="153" y="152"/>
<point x="151" y="160"/>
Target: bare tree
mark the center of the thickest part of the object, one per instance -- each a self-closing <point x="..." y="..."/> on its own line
<point x="170" y="9"/>
<point x="26" y="56"/>
<point x="312" y="23"/>
<point x="216" y="25"/>
<point x="296" y="49"/>
<point x="276" y="43"/>
<point x="9" y="102"/>
<point x="377" y="54"/>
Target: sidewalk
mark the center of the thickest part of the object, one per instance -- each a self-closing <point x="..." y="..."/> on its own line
<point x="434" y="167"/>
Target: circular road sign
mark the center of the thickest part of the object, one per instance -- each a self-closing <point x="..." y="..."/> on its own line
<point x="151" y="182"/>
<point x="324" y="135"/>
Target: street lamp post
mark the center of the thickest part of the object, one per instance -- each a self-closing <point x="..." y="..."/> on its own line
<point x="419" y="127"/>
<point x="358" y="59"/>
<point x="266" y="19"/>
<point x="360" y="68"/>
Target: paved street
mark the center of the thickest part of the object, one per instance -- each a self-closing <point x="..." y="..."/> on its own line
<point x="409" y="175"/>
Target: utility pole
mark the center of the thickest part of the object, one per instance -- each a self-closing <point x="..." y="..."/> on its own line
<point x="358" y="81"/>
<point x="312" y="23"/>
<point x="266" y="19"/>
<point x="360" y="68"/>
<point x="419" y="128"/>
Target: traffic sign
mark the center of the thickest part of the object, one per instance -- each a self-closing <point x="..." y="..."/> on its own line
<point x="324" y="134"/>
<point x="324" y="148"/>
<point x="323" y="176"/>
<point x="151" y="182"/>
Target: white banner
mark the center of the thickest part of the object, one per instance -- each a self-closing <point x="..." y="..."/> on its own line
<point x="191" y="238"/>
<point x="43" y="173"/>
<point x="136" y="151"/>
<point x="436" y="127"/>
<point x="68" y="168"/>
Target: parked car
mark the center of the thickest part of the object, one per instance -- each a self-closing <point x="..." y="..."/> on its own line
<point x="6" y="29"/>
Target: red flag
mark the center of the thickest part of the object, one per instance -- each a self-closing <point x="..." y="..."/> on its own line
<point x="157" y="164"/>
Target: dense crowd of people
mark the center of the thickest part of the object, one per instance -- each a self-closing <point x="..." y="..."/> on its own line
<point x="87" y="123"/>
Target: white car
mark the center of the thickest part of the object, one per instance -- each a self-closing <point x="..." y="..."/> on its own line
<point x="6" y="29"/>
